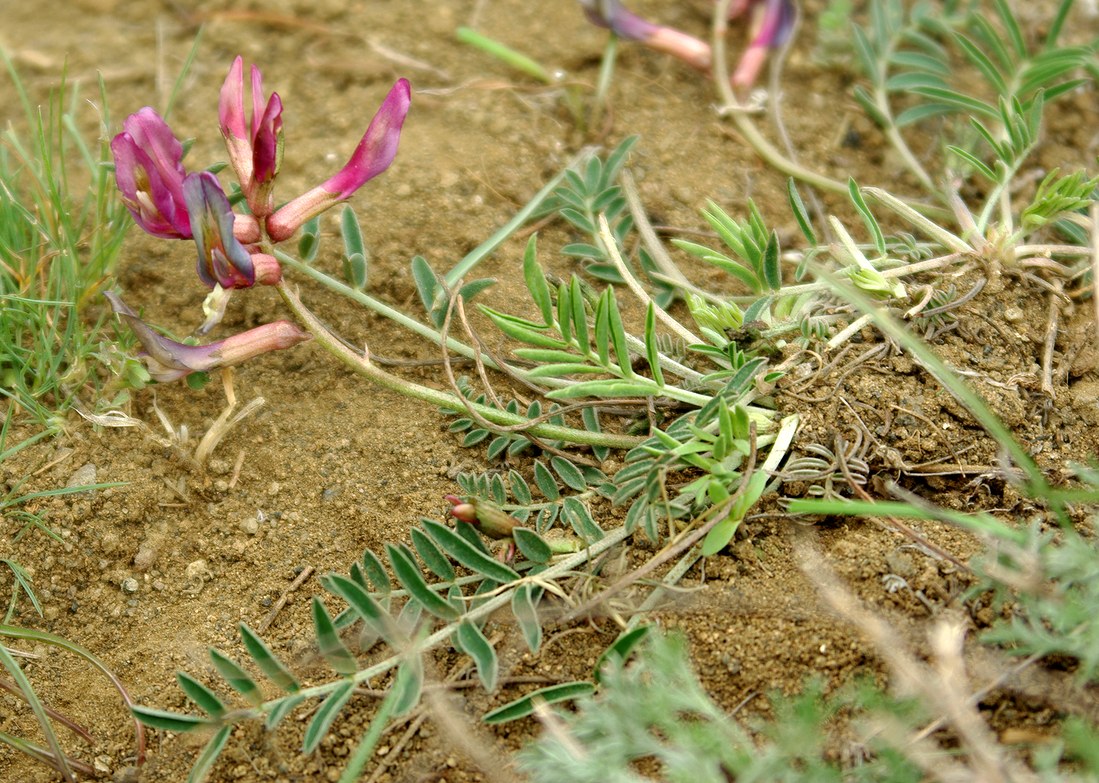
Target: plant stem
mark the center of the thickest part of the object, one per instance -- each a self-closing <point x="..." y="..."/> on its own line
<point x="361" y="365"/>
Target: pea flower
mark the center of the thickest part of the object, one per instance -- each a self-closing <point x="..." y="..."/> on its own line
<point x="372" y="156"/>
<point x="775" y="25"/>
<point x="149" y="172"/>
<point x="169" y="360"/>
<point x="774" y="20"/>
<point x="612" y="15"/>
<point x="222" y="259"/>
<point x="255" y="148"/>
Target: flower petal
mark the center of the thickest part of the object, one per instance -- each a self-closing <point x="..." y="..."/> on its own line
<point x="378" y="146"/>
<point x="222" y="259"/>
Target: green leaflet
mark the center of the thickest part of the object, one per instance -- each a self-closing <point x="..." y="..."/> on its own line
<point x="522" y="707"/>
<point x="267" y="661"/>
<point x="325" y="715"/>
<point x="408" y="574"/>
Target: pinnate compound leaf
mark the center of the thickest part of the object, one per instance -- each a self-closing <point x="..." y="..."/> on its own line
<point x="267" y="661"/>
<point x="329" y="644"/>
<point x="522" y="707"/>
<point x="238" y="679"/>
<point x="204" y="698"/>
<point x="477" y="647"/>
<point x="326" y="714"/>
<point x="408" y="574"/>
<point x="471" y="557"/>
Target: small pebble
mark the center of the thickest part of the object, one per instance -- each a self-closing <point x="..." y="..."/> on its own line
<point x="130" y="585"/>
<point x="146" y="557"/>
<point x="83" y="476"/>
<point x="249" y="525"/>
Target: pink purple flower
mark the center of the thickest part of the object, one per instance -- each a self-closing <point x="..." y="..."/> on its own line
<point x="255" y="147"/>
<point x="169" y="360"/>
<point x="372" y="156"/>
<point x="149" y="172"/>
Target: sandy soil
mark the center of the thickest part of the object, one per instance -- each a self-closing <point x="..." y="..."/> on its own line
<point x="149" y="574"/>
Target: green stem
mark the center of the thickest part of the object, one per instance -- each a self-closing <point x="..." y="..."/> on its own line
<point x="361" y="365"/>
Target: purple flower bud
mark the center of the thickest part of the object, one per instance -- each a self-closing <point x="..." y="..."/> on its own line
<point x="222" y="259"/>
<point x="149" y="172"/>
<point x="375" y="152"/>
<point x="169" y="360"/>
<point x="255" y="149"/>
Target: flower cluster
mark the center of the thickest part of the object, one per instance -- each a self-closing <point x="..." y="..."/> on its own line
<point x="233" y="249"/>
<point x="773" y="21"/>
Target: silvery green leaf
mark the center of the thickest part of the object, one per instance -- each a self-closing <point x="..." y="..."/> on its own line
<point x="471" y="557"/>
<point x="210" y="752"/>
<point x="524" y="706"/>
<point x="169" y="721"/>
<point x="408" y="685"/>
<point x="581" y="520"/>
<point x="433" y="558"/>
<point x="408" y="574"/>
<point x="531" y="545"/>
<point x="535" y="279"/>
<point x="329" y="644"/>
<point x="477" y="647"/>
<point x="235" y="676"/>
<point x="281" y="709"/>
<point x="326" y="715"/>
<point x="266" y="660"/>
<point x="547" y="484"/>
<point x="364" y="606"/>
<point x="569" y="473"/>
<point x="519" y="487"/>
<point x="204" y="698"/>
<point x="524" y="605"/>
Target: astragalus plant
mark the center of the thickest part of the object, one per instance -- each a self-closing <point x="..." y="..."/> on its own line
<point x="687" y="384"/>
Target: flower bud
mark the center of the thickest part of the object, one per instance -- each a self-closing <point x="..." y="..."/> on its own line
<point x="484" y="515"/>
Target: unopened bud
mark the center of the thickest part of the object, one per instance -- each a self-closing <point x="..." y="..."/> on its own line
<point x="487" y="517"/>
